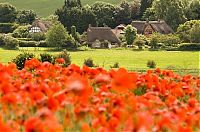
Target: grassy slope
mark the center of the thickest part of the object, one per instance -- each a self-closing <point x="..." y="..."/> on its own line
<point x="47" y="7"/>
<point x="126" y="58"/>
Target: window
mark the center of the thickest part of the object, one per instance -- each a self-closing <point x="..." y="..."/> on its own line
<point x="35" y="30"/>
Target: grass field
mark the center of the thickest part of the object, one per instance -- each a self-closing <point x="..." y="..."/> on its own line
<point x="126" y="58"/>
<point x="47" y="7"/>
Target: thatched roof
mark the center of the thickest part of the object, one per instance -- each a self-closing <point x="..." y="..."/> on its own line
<point x="101" y="33"/>
<point x="157" y="26"/>
<point x="41" y="24"/>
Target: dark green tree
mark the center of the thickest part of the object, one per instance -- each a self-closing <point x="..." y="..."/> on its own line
<point x="26" y="16"/>
<point x="8" y="13"/>
<point x="130" y="34"/>
<point x="104" y="14"/>
<point x="172" y="11"/>
<point x="144" y="5"/>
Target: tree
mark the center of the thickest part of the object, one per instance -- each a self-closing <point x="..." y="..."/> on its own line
<point x="130" y="34"/>
<point x="72" y="3"/>
<point x="184" y="30"/>
<point x="26" y="16"/>
<point x="7" y="13"/>
<point x="104" y="14"/>
<point x="74" y="34"/>
<point x="193" y="10"/>
<point x="144" y="5"/>
<point x="80" y="17"/>
<point x="122" y="13"/>
<point x="57" y="36"/>
<point x="149" y="14"/>
<point x="172" y="11"/>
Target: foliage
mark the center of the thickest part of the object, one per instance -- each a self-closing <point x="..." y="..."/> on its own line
<point x="21" y="58"/>
<point x="80" y="17"/>
<point x="141" y="41"/>
<point x="47" y="57"/>
<point x="7" y="13"/>
<point x="115" y="65"/>
<point x="2" y="43"/>
<point x="130" y="34"/>
<point x="21" y="32"/>
<point x="105" y="44"/>
<point x="193" y="10"/>
<point x="149" y="14"/>
<point x="8" y="27"/>
<point x="37" y="36"/>
<point x="89" y="62"/>
<point x="145" y="4"/>
<point x="172" y="11"/>
<point x="66" y="56"/>
<point x="167" y="39"/>
<point x="23" y="43"/>
<point x="190" y="47"/>
<point x="154" y="42"/>
<point x="75" y="34"/>
<point x="57" y="36"/>
<point x="26" y="16"/>
<point x="195" y="33"/>
<point x="126" y="11"/>
<point x="151" y="64"/>
<point x="184" y="30"/>
<point x="11" y="43"/>
<point x="104" y="14"/>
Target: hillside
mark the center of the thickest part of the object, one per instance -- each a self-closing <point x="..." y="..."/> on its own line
<point x="47" y="7"/>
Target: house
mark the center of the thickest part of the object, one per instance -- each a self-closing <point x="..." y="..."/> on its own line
<point x="101" y="34"/>
<point x="39" y="26"/>
<point x="119" y="30"/>
<point x="149" y="27"/>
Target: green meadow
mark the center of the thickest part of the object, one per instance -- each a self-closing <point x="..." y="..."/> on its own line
<point x="126" y="58"/>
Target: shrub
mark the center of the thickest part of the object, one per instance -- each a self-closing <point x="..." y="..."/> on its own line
<point x="139" y="43"/>
<point x="105" y="44"/>
<point x="151" y="64"/>
<point x="2" y="43"/>
<point x="21" y="32"/>
<point x="89" y="62"/>
<point x="190" y="47"/>
<point x="8" y="27"/>
<point x="38" y="36"/>
<point x="66" y="56"/>
<point x="11" y="43"/>
<point x="28" y="44"/>
<point x="42" y="44"/>
<point x="195" y="33"/>
<point x="130" y="34"/>
<point x="84" y="48"/>
<point x="21" y="58"/>
<point x="154" y="43"/>
<point x="47" y="57"/>
<point x="115" y="65"/>
<point x="57" y="36"/>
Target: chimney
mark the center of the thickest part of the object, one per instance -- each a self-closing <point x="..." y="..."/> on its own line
<point x="159" y="20"/>
<point x="147" y="20"/>
<point x="90" y="25"/>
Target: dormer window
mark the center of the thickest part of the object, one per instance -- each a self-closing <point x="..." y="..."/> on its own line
<point x="35" y="30"/>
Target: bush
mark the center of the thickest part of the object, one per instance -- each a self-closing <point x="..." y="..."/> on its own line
<point x="21" y="32"/>
<point x="47" y="57"/>
<point x="21" y="58"/>
<point x="89" y="62"/>
<point x="154" y="43"/>
<point x="8" y="27"/>
<point x="116" y="65"/>
<point x="38" y="36"/>
<point x="130" y="34"/>
<point x="105" y="44"/>
<point x="84" y="48"/>
<point x="139" y="43"/>
<point x="66" y="56"/>
<point x="2" y="43"/>
<point x="195" y="33"/>
<point x="11" y="43"/>
<point x="151" y="64"/>
<point x="190" y="47"/>
<point x="28" y="43"/>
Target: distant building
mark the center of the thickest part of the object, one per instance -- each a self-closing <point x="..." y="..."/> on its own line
<point x="101" y="34"/>
<point x="149" y="27"/>
<point x="39" y="26"/>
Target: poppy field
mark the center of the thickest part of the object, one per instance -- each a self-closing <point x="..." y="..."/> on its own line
<point x="44" y="97"/>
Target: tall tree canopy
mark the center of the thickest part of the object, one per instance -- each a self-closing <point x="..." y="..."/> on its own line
<point x="172" y="11"/>
<point x="8" y="13"/>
